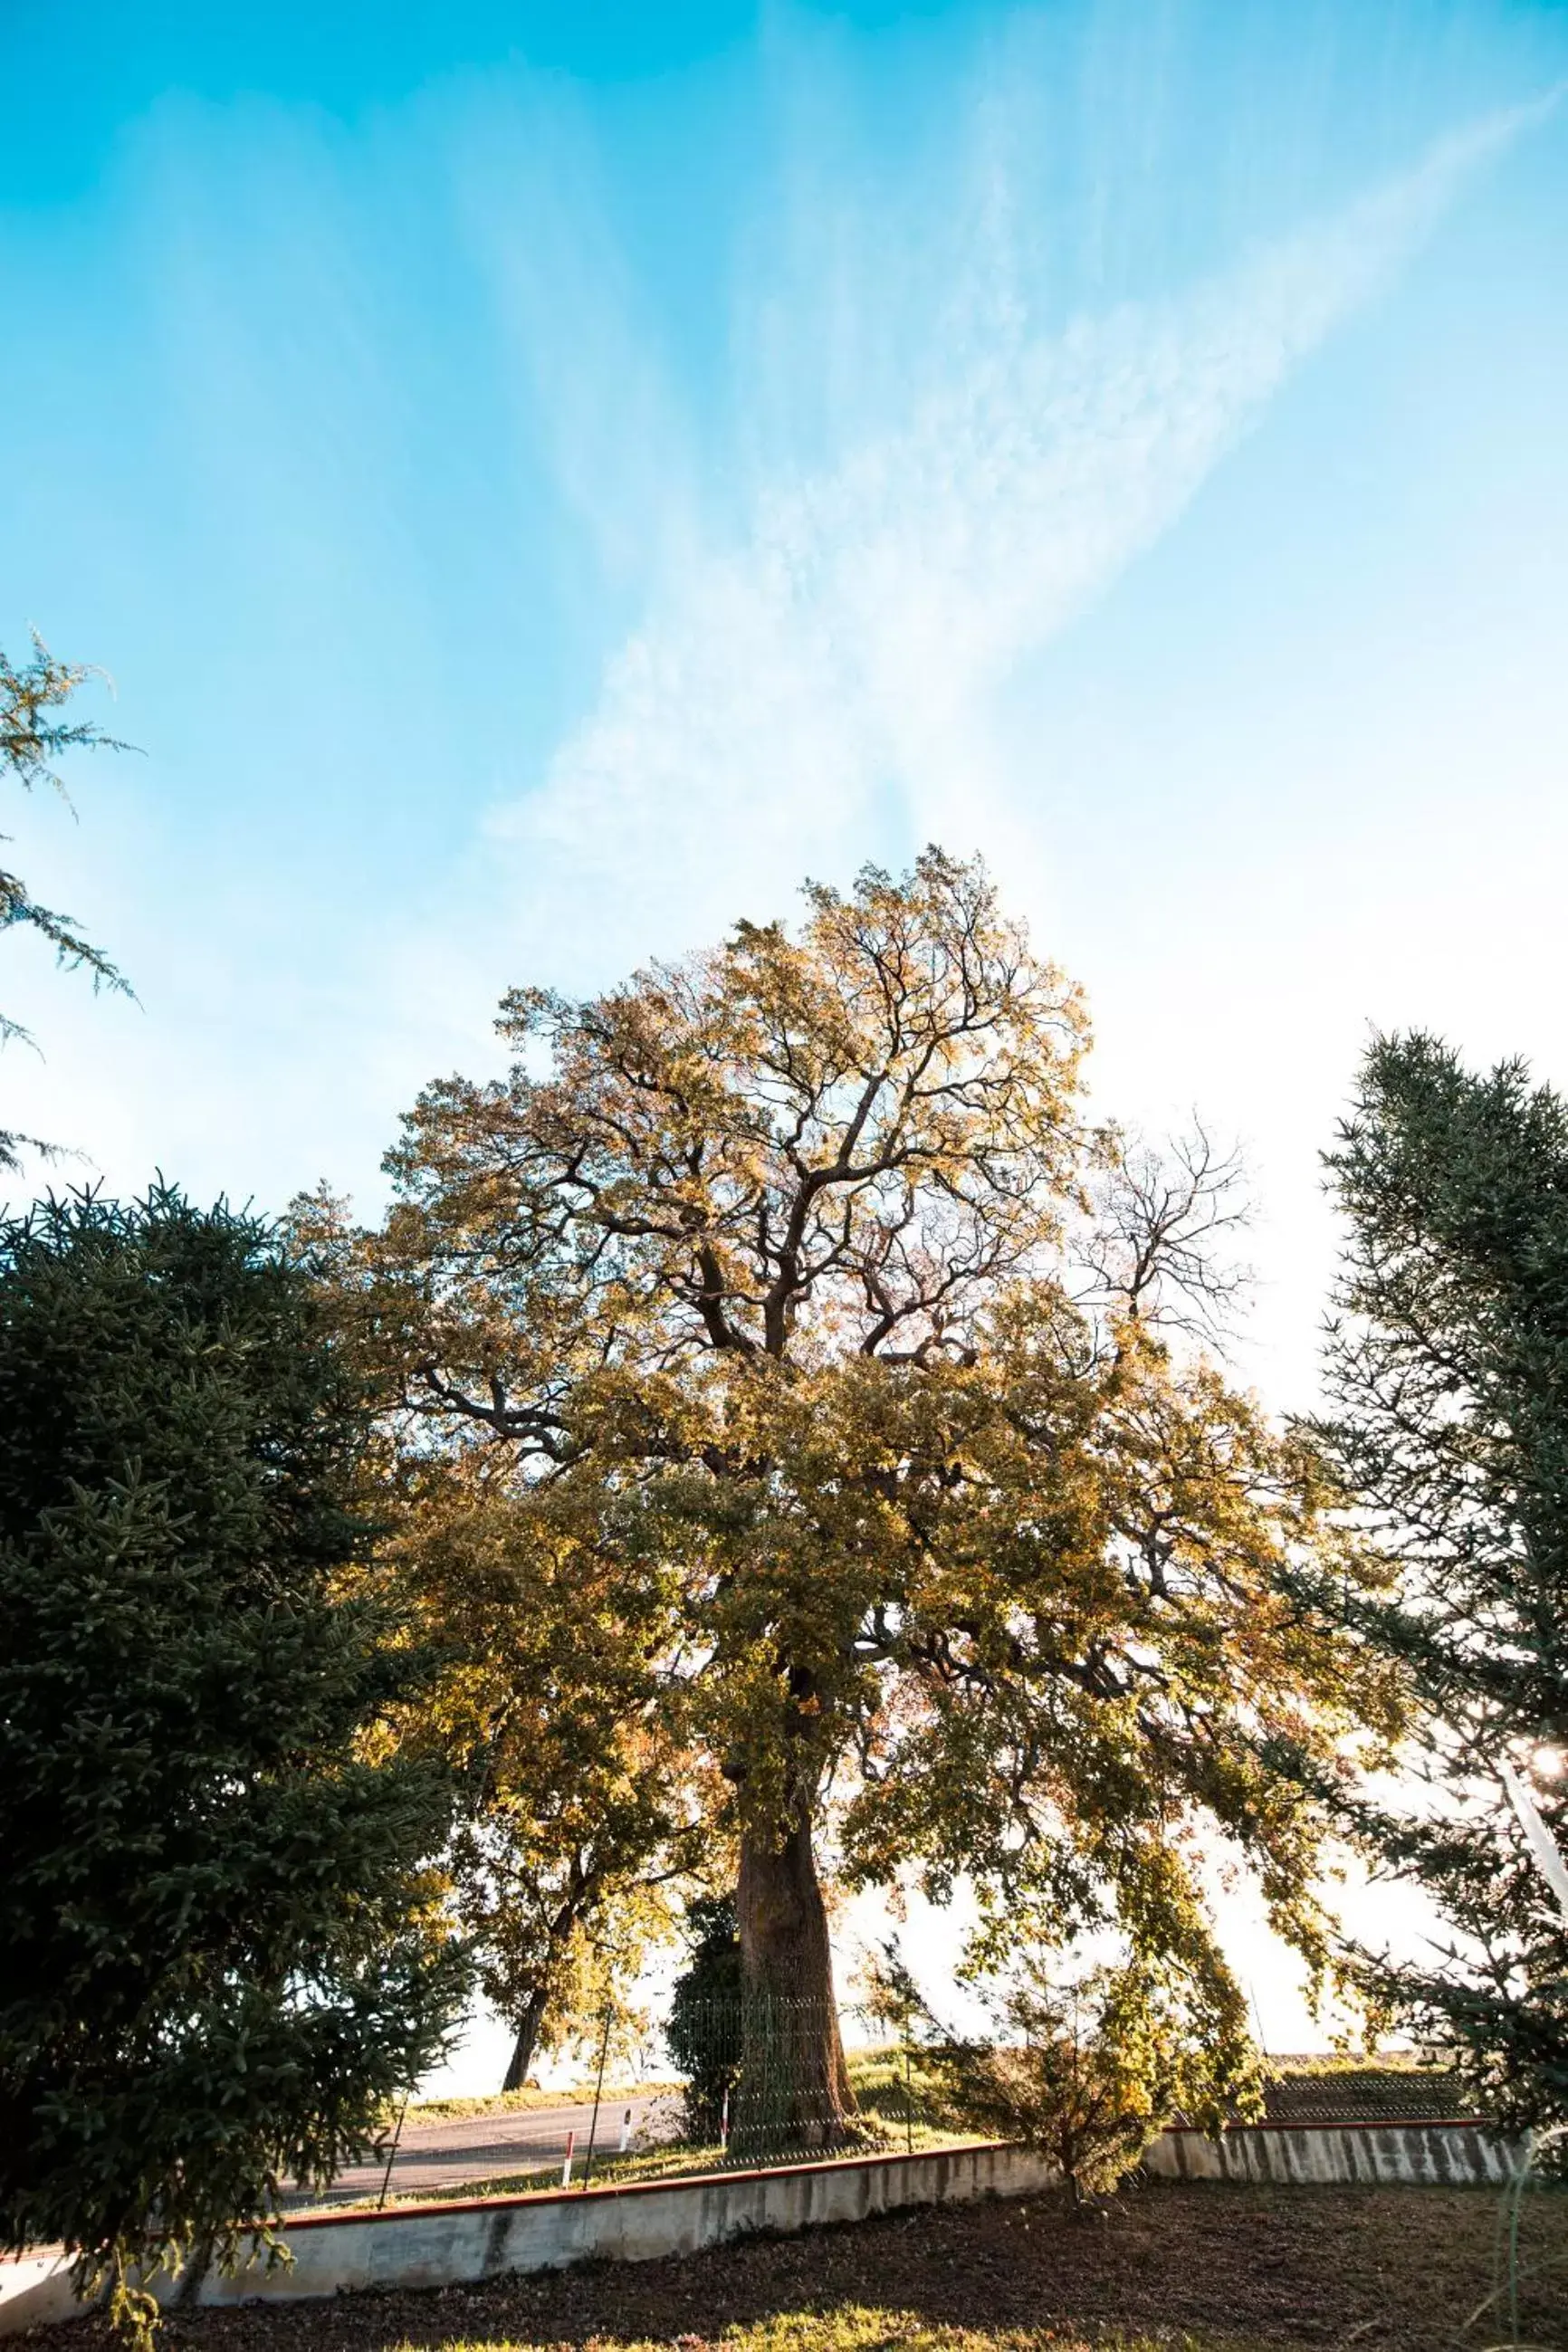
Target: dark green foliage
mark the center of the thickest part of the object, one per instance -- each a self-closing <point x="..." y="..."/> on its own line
<point x="219" y="1953"/>
<point x="704" y="2030"/>
<point x="1447" y="1372"/>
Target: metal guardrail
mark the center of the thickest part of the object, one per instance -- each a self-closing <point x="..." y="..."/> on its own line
<point x="1368" y="2096"/>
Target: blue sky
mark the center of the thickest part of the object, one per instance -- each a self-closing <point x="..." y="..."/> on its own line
<point x="545" y="478"/>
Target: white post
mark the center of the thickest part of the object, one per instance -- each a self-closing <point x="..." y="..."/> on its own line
<point x="566" y="2160"/>
<point x="626" y="2131"/>
<point x="1538" y="1837"/>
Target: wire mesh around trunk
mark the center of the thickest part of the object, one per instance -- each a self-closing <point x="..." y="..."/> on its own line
<point x="763" y="2081"/>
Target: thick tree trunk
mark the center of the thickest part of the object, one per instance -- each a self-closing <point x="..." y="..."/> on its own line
<point x="523" y="2048"/>
<point x="793" y="2088"/>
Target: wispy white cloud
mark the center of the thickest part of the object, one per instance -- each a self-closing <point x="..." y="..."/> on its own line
<point x="923" y="479"/>
<point x="819" y="686"/>
<point x="597" y="404"/>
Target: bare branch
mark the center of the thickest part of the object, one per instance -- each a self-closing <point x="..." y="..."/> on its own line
<point x="1161" y="1224"/>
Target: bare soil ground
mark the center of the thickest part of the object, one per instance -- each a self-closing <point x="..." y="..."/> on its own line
<point x="1198" y="2267"/>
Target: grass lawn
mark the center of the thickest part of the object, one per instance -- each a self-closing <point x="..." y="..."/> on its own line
<point x="885" y="2081"/>
<point x="664" y="2163"/>
<point x="853" y="2328"/>
<point x="514" y="2102"/>
<point x="1167" y="2267"/>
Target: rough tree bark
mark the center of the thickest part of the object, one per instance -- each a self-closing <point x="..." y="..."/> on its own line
<point x="795" y="2086"/>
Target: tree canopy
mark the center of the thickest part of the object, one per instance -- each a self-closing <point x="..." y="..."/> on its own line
<point x="789" y="1288"/>
<point x="221" y="1947"/>
<point x="1448" y="1377"/>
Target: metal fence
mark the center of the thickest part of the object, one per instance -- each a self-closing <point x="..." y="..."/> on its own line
<point x="766" y="2080"/>
<point x="1366" y="2095"/>
<point x="750" y="2083"/>
<point x="736" y="2083"/>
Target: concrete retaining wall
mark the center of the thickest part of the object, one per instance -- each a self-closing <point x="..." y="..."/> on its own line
<point x="34" y="2292"/>
<point x="467" y="2238"/>
<point x="1410" y="2156"/>
<point x="454" y="2242"/>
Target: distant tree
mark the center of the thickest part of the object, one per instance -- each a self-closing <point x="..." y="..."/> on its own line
<point x="577" y="1819"/>
<point x="705" y="2013"/>
<point x="221" y="1952"/>
<point x="32" y="737"/>
<point x="790" y="1286"/>
<point x="1447" y="1379"/>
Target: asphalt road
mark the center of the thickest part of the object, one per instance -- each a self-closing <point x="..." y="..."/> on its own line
<point x="466" y="2149"/>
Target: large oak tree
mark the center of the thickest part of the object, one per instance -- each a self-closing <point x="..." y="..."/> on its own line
<point x="789" y="1286"/>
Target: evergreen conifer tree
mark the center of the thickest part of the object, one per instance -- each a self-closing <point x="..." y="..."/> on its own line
<point x="32" y="736"/>
<point x="704" y="2028"/>
<point x="220" y="1953"/>
<point x="1447" y="1374"/>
